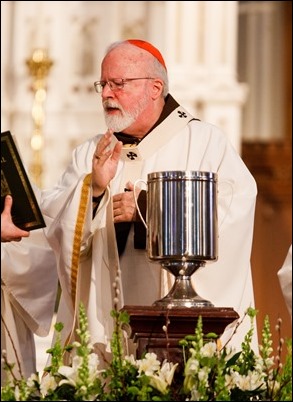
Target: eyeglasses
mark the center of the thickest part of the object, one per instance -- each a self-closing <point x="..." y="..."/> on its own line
<point x="116" y="84"/>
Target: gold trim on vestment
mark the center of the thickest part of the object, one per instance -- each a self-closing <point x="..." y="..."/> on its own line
<point x="76" y="247"/>
<point x="78" y="234"/>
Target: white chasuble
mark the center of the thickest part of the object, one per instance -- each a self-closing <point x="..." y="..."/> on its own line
<point x="178" y="143"/>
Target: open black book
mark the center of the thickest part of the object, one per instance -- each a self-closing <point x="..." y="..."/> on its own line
<point x="26" y="213"/>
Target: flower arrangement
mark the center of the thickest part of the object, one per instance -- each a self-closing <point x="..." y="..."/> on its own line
<point x="210" y="373"/>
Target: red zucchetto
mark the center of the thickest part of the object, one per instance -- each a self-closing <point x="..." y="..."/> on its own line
<point x="149" y="48"/>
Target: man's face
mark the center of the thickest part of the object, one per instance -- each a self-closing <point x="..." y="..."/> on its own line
<point x="125" y="107"/>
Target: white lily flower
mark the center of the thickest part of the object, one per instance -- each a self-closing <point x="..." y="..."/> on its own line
<point x="32" y="379"/>
<point x="209" y="349"/>
<point x="48" y="383"/>
<point x="149" y="364"/>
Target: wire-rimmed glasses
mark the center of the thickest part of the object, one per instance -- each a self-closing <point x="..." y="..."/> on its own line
<point x="115" y="84"/>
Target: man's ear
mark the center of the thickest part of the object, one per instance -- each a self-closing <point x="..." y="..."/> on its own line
<point x="157" y="88"/>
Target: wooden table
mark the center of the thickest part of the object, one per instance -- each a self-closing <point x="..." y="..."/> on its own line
<point x="147" y="323"/>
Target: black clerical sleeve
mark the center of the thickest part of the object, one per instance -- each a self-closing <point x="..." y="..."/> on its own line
<point x="139" y="228"/>
<point x="122" y="230"/>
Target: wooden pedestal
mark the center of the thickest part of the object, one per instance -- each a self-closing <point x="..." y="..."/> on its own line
<point x="147" y="322"/>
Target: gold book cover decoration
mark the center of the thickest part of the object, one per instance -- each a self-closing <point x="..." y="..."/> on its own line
<point x="26" y="213"/>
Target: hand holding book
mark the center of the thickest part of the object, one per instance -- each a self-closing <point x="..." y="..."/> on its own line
<point x="10" y="232"/>
<point x="25" y="211"/>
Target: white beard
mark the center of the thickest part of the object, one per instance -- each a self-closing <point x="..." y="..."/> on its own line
<point x="119" y="123"/>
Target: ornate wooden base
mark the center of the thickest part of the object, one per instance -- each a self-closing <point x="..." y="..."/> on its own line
<point x="156" y="329"/>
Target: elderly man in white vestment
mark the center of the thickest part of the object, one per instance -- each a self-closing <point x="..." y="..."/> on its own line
<point x="95" y="229"/>
<point x="28" y="293"/>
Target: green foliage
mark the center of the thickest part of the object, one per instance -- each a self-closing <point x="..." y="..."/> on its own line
<point x="210" y="373"/>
